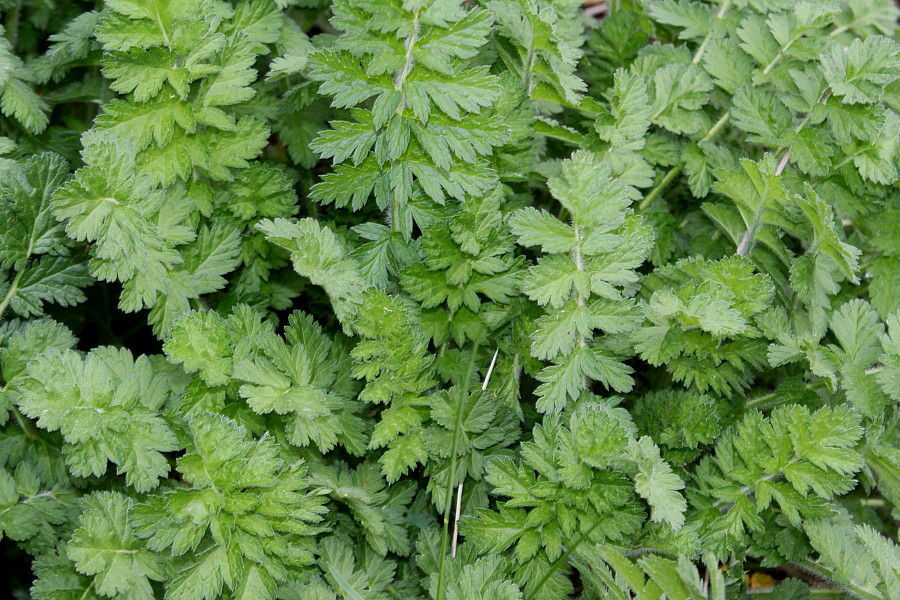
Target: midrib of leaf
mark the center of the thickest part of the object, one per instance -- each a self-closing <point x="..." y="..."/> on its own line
<point x="768" y="68"/>
<point x="865" y="20"/>
<point x="559" y="561"/>
<point x="46" y="494"/>
<point x="14" y="286"/>
<point x="750" y="490"/>
<point x="88" y="590"/>
<point x="802" y="124"/>
<point x="410" y="44"/>
<point x="763" y="401"/>
<point x="579" y="266"/>
<point x="160" y="24"/>
<point x="346" y="588"/>
<point x="11" y="292"/>
<point x="837" y="167"/>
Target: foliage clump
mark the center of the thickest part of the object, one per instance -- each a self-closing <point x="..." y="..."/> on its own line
<point x="406" y="299"/>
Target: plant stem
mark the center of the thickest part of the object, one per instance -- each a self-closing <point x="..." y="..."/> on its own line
<point x="559" y="561"/>
<point x="666" y="180"/>
<point x="716" y="127"/>
<point x="453" y="448"/>
<point x="12" y="24"/>
<point x="27" y="428"/>
<point x="822" y="573"/>
<point x="11" y="292"/>
<point x="407" y="63"/>
<point x="459" y="491"/>
<point x="745" y="246"/>
<point x="719" y="16"/>
<point x="673" y="172"/>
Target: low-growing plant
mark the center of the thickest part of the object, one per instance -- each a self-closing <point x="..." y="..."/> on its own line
<point x="482" y="299"/>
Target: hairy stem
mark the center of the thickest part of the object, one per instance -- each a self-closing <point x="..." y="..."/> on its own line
<point x="459" y="490"/>
<point x="817" y="570"/>
<point x="408" y="62"/>
<point x="666" y="180"/>
<point x="26" y="425"/>
<point x="814" y="593"/>
<point x="11" y="292"/>
<point x="453" y="448"/>
<point x="723" y="10"/>
<point x="673" y="172"/>
<point x="12" y="24"/>
<point x="745" y="246"/>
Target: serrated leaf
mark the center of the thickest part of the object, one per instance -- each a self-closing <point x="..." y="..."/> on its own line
<point x="859" y="73"/>
<point x="106" y="548"/>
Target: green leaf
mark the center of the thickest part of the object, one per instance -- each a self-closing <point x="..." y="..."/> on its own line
<point x="105" y="547"/>
<point x="317" y="253"/>
<point x="859" y="73"/>
<point x="857" y="329"/>
<point x="539" y="228"/>
<point x="629" y="116"/>
<point x="28" y="225"/>
<point x="231" y="83"/>
<point x="656" y="483"/>
<point x="857" y="556"/>
<point x="759" y="112"/>
<point x="546" y="57"/>
<point x="57" y="279"/>
<point x="260" y="21"/>
<point x="664" y="572"/>
<point x="825" y="235"/>
<point x="17" y="99"/>
<point x="149" y="123"/>
<point x="694" y="18"/>
<point x="811" y="149"/>
<point x="676" y="97"/>
<point x="107" y="407"/>
<point x="57" y="579"/>
<point x="201" y="341"/>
